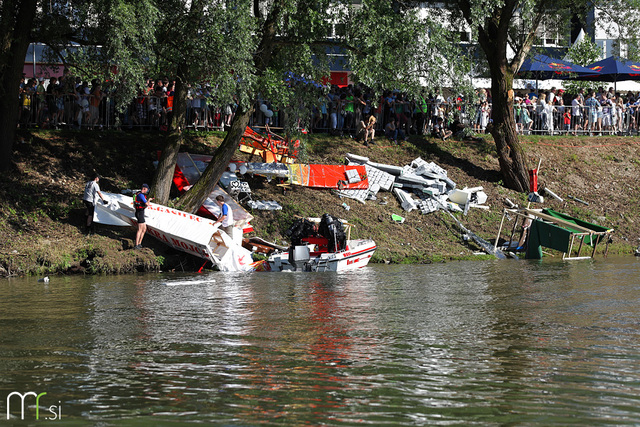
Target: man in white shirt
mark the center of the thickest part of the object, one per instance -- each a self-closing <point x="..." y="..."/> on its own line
<point x="551" y="98"/>
<point x="91" y="190"/>
<point x="576" y="114"/>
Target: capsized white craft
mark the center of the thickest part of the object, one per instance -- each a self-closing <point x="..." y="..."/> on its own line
<point x="186" y="232"/>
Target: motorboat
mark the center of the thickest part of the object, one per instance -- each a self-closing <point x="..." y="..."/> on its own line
<point x="322" y="244"/>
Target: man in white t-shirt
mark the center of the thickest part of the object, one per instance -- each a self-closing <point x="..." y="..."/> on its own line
<point x="226" y="216"/>
<point x="576" y="114"/>
<point x="551" y="97"/>
<point x="91" y="190"/>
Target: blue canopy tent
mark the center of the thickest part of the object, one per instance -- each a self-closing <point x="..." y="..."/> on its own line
<point x="543" y="67"/>
<point x="610" y="70"/>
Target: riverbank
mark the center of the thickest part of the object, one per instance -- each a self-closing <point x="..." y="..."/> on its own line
<point x="41" y="224"/>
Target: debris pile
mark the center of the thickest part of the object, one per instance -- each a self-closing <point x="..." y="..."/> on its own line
<point x="421" y="185"/>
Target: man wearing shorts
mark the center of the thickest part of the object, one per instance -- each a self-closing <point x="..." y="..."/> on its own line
<point x="592" y="106"/>
<point x="226" y="216"/>
<point x="140" y="203"/>
<point x="91" y="190"/>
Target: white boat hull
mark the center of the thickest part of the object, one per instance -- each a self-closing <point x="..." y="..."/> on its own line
<point x="183" y="231"/>
<point x="357" y="255"/>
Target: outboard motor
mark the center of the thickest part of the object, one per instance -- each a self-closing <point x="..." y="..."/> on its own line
<point x="331" y="228"/>
<point x="299" y="257"/>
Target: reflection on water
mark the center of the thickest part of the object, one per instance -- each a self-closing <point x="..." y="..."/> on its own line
<point x="496" y="342"/>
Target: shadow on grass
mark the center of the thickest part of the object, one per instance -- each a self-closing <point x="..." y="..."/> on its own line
<point x="431" y="148"/>
<point x="53" y="167"/>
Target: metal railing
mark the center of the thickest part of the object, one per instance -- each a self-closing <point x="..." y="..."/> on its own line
<point x="84" y="112"/>
<point x="150" y="112"/>
<point x="618" y="119"/>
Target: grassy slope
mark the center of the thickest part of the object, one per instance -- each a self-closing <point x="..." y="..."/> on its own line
<point x="41" y="214"/>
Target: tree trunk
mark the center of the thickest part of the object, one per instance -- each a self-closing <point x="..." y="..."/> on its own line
<point x="197" y="194"/>
<point x="493" y="37"/>
<point x="15" y="29"/>
<point x="163" y="177"/>
<point x="513" y="163"/>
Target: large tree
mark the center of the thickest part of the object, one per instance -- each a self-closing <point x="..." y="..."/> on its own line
<point x="200" y="41"/>
<point x="16" y="22"/>
<point x="506" y="31"/>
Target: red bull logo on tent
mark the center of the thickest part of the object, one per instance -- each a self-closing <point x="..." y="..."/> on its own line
<point x="559" y="66"/>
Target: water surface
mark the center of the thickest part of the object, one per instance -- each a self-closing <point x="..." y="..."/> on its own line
<point x="486" y="343"/>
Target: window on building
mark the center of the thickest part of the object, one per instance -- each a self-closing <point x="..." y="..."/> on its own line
<point x="549" y="33"/>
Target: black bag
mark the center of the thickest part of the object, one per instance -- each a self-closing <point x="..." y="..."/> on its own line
<point x="300" y="229"/>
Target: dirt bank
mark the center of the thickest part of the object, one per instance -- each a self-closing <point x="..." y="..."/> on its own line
<point x="42" y="215"/>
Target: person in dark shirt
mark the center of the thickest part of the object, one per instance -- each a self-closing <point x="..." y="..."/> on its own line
<point x="140" y="203"/>
<point x="439" y="130"/>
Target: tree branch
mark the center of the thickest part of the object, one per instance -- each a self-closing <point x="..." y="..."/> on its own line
<point x="465" y="8"/>
<point x="524" y="49"/>
<point x="262" y="57"/>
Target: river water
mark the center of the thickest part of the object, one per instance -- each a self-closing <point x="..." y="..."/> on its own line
<point x="485" y="343"/>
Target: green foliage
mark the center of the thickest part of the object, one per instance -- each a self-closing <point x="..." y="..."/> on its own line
<point x="618" y="19"/>
<point x="112" y="41"/>
<point x="130" y="34"/>
<point x="397" y="47"/>
<point x="583" y="53"/>
<point x="387" y="47"/>
<point x="216" y="42"/>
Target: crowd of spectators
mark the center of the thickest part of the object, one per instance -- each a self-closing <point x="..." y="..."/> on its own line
<point x="593" y="112"/>
<point x="353" y="110"/>
<point x="73" y="103"/>
<point x="61" y="101"/>
<point x="357" y="111"/>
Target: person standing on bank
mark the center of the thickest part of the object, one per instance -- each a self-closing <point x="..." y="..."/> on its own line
<point x="140" y="203"/>
<point x="226" y="216"/>
<point x="91" y="189"/>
